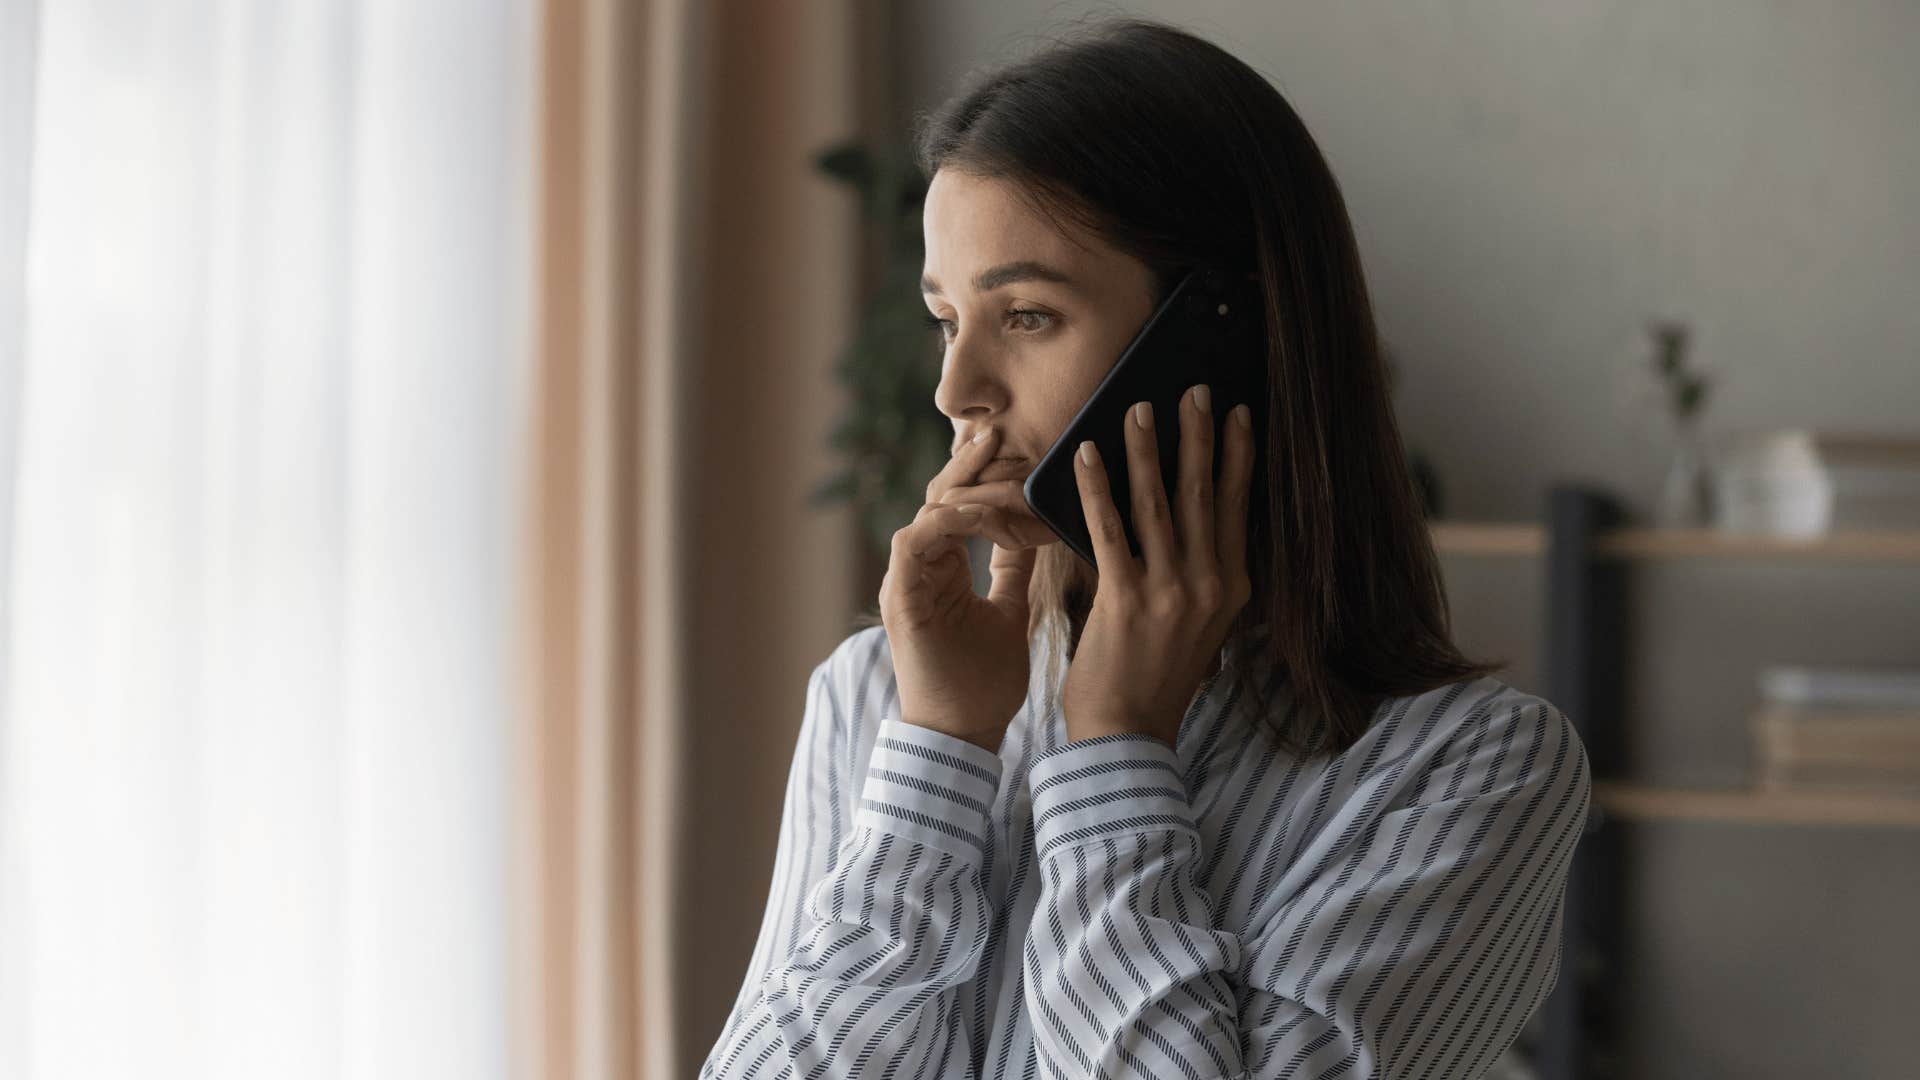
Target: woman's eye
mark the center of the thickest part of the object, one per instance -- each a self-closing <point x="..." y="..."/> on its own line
<point x="1024" y="319"/>
<point x="1017" y="314"/>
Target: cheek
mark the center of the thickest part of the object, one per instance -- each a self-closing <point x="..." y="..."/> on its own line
<point x="1052" y="414"/>
<point x="1070" y="381"/>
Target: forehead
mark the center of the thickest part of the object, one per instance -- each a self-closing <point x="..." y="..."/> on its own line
<point x="970" y="222"/>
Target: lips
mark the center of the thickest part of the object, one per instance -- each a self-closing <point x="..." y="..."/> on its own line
<point x="1005" y="468"/>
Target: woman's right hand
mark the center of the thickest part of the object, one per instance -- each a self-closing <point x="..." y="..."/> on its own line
<point x="960" y="660"/>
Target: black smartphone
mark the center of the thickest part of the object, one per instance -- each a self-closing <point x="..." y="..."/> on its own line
<point x="1207" y="330"/>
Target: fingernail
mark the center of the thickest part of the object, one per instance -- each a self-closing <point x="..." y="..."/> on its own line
<point x="1143" y="415"/>
<point x="1242" y="416"/>
<point x="981" y="435"/>
<point x="972" y="509"/>
<point x="1202" y="398"/>
<point x="1088" y="455"/>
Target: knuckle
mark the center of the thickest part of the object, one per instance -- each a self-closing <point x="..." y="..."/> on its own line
<point x="1241" y="593"/>
<point x="1110" y="530"/>
<point x="1208" y="592"/>
<point x="1153" y="503"/>
<point x="1168" y="601"/>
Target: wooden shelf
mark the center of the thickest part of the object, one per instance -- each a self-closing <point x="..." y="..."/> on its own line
<point x="1487" y="538"/>
<point x="1641" y="802"/>
<point x="1886" y="545"/>
<point x="1521" y="538"/>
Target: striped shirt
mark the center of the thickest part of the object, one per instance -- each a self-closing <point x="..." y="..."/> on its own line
<point x="1117" y="907"/>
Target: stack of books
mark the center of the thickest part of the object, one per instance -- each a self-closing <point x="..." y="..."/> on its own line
<point x="1876" y="479"/>
<point x="1838" y="729"/>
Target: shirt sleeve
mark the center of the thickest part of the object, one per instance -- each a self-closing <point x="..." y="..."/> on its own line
<point x="1419" y="948"/>
<point x="1416" y="945"/>
<point x="866" y="937"/>
<point x="1125" y="974"/>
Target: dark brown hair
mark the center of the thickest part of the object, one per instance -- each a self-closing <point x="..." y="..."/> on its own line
<point x="1179" y="154"/>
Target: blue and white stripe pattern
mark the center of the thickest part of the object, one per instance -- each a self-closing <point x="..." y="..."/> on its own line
<point x="1117" y="907"/>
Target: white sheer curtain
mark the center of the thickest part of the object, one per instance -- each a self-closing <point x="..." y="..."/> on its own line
<point x="263" y="358"/>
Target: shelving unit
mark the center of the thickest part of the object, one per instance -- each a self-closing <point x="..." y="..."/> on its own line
<point x="1642" y="802"/>
<point x="1586" y="551"/>
<point x="1499" y="538"/>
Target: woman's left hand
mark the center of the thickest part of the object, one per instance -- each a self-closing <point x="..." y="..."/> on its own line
<point x="1160" y="619"/>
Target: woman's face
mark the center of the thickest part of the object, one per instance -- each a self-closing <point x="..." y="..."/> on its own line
<point x="1033" y="320"/>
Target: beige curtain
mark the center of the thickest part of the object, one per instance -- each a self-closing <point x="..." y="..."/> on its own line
<point x="698" y="277"/>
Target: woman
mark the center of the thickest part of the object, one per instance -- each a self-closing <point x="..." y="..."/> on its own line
<point x="1269" y="821"/>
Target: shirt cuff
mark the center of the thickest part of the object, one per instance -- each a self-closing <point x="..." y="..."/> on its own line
<point x="1105" y="786"/>
<point x="931" y="787"/>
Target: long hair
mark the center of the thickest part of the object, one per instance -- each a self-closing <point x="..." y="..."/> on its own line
<point x="1179" y="154"/>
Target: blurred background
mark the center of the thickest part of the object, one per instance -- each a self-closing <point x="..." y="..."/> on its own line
<point x="438" y="439"/>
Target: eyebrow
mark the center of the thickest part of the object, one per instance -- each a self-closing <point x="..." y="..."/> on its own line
<point x="1005" y="274"/>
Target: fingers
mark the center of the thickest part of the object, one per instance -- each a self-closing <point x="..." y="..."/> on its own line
<point x="994" y="523"/>
<point x="1196" y="475"/>
<point x="965" y="464"/>
<point x="1012" y="570"/>
<point x="1236" y="479"/>
<point x="933" y="534"/>
<point x="954" y="484"/>
<point x="1008" y="497"/>
<point x="941" y="529"/>
<point x="1152" y="520"/>
<point x="1111" y="557"/>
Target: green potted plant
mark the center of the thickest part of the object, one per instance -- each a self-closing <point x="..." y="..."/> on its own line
<point x="891" y="438"/>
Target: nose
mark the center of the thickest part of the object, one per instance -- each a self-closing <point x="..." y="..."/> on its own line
<point x="971" y="389"/>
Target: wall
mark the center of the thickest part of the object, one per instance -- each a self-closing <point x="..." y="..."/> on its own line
<point x="1531" y="183"/>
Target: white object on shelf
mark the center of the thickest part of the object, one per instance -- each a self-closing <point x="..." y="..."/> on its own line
<point x="1773" y="483"/>
<point x="1840" y="686"/>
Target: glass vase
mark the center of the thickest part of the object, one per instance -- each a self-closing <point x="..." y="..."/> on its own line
<point x="1686" y="495"/>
